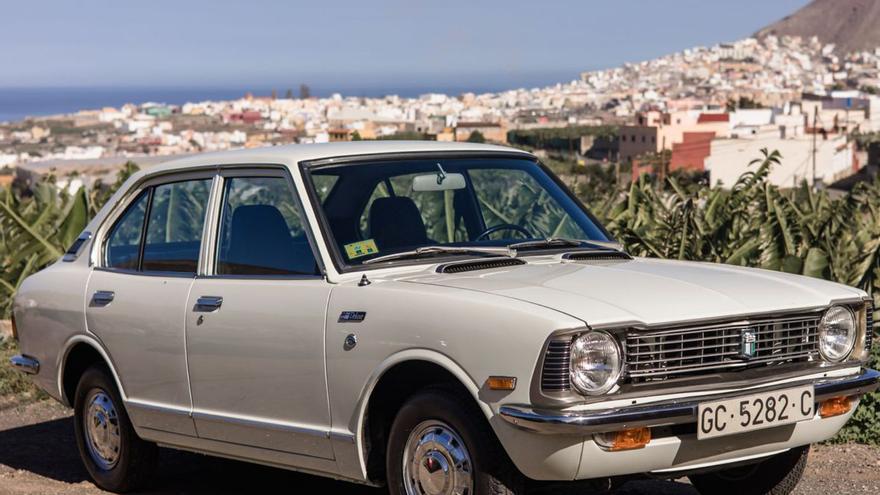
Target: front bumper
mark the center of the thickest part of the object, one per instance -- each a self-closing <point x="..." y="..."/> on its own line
<point x="25" y="364"/>
<point x="666" y="413"/>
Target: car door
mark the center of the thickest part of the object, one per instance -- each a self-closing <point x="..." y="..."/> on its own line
<point x="137" y="296"/>
<point x="255" y="322"/>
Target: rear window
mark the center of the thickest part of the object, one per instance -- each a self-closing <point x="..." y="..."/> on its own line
<point x="175" y="225"/>
<point x="173" y="215"/>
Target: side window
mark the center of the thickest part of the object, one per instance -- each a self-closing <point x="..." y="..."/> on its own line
<point x="261" y="232"/>
<point x="124" y="240"/>
<point x="174" y="226"/>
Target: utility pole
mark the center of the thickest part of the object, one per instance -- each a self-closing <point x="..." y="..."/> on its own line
<point x="815" y="131"/>
<point x="662" y="158"/>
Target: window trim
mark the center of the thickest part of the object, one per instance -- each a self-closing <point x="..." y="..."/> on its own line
<point x="150" y="182"/>
<point x="342" y="267"/>
<point x="210" y="253"/>
<point x="105" y="242"/>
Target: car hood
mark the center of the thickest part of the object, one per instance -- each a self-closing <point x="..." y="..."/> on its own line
<point x="647" y="291"/>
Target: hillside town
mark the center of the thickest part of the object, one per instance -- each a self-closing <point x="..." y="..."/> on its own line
<point x="706" y="110"/>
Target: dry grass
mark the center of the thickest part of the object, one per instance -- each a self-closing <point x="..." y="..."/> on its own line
<point x="15" y="387"/>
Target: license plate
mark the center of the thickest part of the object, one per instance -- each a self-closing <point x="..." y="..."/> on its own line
<point x="754" y="412"/>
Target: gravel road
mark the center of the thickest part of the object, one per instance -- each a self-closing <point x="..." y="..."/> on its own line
<point x="38" y="456"/>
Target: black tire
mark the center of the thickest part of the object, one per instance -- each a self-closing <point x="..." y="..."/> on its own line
<point x="492" y="471"/>
<point x="137" y="459"/>
<point x="777" y="475"/>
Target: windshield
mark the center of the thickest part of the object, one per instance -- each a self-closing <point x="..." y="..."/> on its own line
<point x="377" y="209"/>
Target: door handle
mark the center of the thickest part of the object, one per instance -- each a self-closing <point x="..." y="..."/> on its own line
<point x="103" y="297"/>
<point x="207" y="304"/>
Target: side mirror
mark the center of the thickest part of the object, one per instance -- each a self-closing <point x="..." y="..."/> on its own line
<point x="438" y="182"/>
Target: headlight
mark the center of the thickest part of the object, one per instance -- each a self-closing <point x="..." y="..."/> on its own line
<point x="595" y="363"/>
<point x="837" y="333"/>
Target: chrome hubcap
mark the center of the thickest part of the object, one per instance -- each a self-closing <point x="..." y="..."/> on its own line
<point x="436" y="461"/>
<point x="101" y="425"/>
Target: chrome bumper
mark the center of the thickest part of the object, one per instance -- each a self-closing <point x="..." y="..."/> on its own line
<point x="665" y="413"/>
<point x="25" y="364"/>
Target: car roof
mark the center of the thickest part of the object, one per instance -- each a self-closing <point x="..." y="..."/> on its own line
<point x="291" y="154"/>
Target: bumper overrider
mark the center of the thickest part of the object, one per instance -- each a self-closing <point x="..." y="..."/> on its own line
<point x="669" y="412"/>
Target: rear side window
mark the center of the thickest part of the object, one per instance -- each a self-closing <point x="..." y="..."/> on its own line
<point x="174" y="226"/>
<point x="123" y="243"/>
<point x="261" y="231"/>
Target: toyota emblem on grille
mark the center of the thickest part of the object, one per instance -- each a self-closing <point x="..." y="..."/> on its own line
<point x="748" y="341"/>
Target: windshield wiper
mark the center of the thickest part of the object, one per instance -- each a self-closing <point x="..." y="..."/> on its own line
<point x="549" y="242"/>
<point x="434" y="250"/>
<point x="554" y="242"/>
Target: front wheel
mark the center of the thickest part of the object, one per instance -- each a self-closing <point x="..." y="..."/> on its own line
<point x="439" y="445"/>
<point x="115" y="457"/>
<point x="776" y="475"/>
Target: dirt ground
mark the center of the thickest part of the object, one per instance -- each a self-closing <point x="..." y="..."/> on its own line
<point x="38" y="456"/>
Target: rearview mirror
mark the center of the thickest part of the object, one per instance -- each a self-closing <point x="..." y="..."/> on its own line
<point x="438" y="182"/>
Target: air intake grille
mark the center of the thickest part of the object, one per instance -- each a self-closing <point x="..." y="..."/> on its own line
<point x="869" y="313"/>
<point x="664" y="354"/>
<point x="470" y="266"/>
<point x="555" y="374"/>
<point x="596" y="256"/>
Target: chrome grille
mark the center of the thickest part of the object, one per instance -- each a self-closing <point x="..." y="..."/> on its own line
<point x="555" y="374"/>
<point x="671" y="353"/>
<point x="869" y="316"/>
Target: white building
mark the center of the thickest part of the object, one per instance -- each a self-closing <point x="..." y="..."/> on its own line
<point x="729" y="158"/>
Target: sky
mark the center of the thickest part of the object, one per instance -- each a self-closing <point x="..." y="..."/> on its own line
<point x="394" y="43"/>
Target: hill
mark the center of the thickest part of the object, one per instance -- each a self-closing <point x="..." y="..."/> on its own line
<point x="852" y="25"/>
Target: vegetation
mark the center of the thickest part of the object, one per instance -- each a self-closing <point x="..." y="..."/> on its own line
<point x="38" y="223"/>
<point x="752" y="224"/>
<point x="559" y="138"/>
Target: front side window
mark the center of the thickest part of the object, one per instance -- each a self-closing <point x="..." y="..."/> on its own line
<point x="124" y="240"/>
<point x="395" y="207"/>
<point x="261" y="231"/>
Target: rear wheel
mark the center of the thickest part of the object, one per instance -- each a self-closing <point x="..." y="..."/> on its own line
<point x="115" y="457"/>
<point x="777" y="475"/>
<point x="439" y="445"/>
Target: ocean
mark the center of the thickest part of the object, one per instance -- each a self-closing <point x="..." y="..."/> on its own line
<point x="18" y="103"/>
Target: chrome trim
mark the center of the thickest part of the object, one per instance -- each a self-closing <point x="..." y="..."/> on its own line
<point x="102" y="297"/>
<point x="208" y="304"/>
<point x="260" y="424"/>
<point x="25" y="364"/>
<point x="671" y="412"/>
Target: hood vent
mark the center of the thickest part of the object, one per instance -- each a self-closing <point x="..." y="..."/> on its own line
<point x="604" y="255"/>
<point x="470" y="266"/>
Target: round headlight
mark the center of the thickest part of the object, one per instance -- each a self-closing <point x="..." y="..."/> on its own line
<point x="595" y="363"/>
<point x="837" y="333"/>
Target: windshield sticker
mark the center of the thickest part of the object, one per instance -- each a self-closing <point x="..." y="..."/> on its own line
<point x="361" y="248"/>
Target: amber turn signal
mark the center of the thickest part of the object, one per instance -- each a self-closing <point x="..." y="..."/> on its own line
<point x="501" y="382"/>
<point x="834" y="406"/>
<point x="633" y="438"/>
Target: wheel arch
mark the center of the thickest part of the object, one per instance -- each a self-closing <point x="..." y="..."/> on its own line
<point x="80" y="352"/>
<point x="408" y="371"/>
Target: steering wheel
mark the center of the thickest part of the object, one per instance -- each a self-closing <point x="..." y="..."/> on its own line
<point x="503" y="226"/>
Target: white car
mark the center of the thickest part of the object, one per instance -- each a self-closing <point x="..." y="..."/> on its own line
<point x="442" y="318"/>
